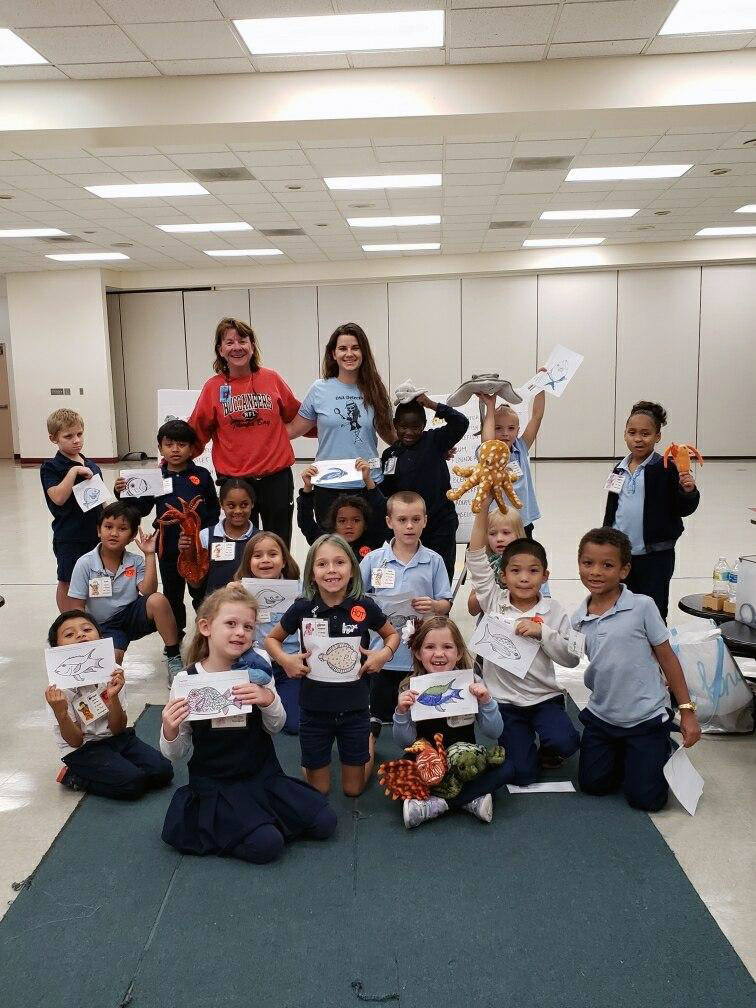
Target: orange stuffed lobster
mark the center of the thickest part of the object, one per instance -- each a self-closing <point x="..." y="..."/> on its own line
<point x="406" y="778"/>
<point x="193" y="562"/>
<point x="682" y="454"/>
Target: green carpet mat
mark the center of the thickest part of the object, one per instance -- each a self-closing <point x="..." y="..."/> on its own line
<point x="564" y="901"/>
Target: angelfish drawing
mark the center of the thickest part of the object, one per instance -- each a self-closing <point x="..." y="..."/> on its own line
<point x="340" y="658"/>
<point x="503" y="646"/>
<point x="77" y="666"/>
<point x="207" y="700"/>
<point x="439" y="694"/>
<point x="269" y="598"/>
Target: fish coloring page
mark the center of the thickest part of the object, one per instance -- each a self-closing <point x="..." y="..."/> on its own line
<point x="333" y="659"/>
<point x="209" y="694"/>
<point x="560" y="368"/>
<point x="91" y="493"/>
<point x="142" y="482"/>
<point x="274" y="595"/>
<point x="443" y="694"/>
<point x="74" y="665"/>
<point x="497" y="642"/>
<point x="342" y="471"/>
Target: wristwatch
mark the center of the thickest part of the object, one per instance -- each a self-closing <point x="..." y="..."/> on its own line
<point x="688" y="706"/>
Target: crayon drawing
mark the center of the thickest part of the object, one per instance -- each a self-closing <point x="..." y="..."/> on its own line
<point x="210" y="694"/>
<point x="443" y="694"/>
<point x="333" y="659"/>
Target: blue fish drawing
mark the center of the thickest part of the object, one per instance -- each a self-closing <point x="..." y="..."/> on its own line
<point x="332" y="474"/>
<point x="501" y="645"/>
<point x="439" y="694"/>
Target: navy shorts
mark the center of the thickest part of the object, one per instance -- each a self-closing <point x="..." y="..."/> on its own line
<point x="129" y="624"/>
<point x="319" y="729"/>
<point x="66" y="554"/>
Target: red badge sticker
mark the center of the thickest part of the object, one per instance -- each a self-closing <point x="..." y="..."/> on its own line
<point x="195" y="480"/>
<point x="358" y="613"/>
<point x="129" y="572"/>
<point x="364" y="550"/>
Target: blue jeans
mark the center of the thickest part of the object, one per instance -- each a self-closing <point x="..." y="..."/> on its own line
<point x="549" y="721"/>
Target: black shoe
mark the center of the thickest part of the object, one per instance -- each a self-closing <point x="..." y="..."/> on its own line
<point x="375" y="727"/>
<point x="69" y="780"/>
<point x="549" y="760"/>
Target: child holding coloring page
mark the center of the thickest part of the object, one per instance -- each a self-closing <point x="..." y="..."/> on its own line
<point x="238" y="802"/>
<point x="361" y="520"/>
<point x="438" y="647"/>
<point x="501" y="531"/>
<point x="507" y="429"/>
<point x="335" y="619"/>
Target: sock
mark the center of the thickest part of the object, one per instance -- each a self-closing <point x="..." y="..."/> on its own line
<point x="171" y="650"/>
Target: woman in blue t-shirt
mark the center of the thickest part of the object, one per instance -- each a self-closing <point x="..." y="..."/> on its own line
<point x="351" y="408"/>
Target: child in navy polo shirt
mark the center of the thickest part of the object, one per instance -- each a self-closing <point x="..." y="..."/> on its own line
<point x="74" y="530"/>
<point x="335" y="704"/>
<point x="417" y="461"/>
<point x="119" y="588"/>
<point x="628" y="717"/>
<point x="176" y="440"/>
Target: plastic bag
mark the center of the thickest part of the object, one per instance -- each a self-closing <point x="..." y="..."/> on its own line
<point x="724" y="700"/>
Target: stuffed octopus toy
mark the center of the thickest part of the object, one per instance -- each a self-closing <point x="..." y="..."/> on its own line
<point x="490" y="476"/>
<point x="436" y="771"/>
<point x="194" y="562"/>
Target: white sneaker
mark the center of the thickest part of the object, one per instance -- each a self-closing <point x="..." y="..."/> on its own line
<point x="481" y="808"/>
<point x="174" y="666"/>
<point x="416" y="812"/>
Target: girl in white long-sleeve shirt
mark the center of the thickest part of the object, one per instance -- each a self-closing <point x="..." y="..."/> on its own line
<point x="238" y="803"/>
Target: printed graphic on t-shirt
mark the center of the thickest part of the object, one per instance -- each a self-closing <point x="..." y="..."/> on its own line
<point x="243" y="410"/>
<point x="351" y="417"/>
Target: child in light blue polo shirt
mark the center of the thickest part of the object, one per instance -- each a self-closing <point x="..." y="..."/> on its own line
<point x="403" y="568"/>
<point x="628" y="719"/>
<point x="508" y="430"/>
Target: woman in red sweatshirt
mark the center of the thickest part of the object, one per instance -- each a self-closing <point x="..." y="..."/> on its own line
<point x="244" y="409"/>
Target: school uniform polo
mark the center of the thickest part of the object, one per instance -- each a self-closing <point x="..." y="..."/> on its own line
<point x="124" y="583"/>
<point x="629" y="516"/>
<point x="424" y="575"/>
<point x="523" y="485"/>
<point x="623" y="675"/>
<point x="74" y="530"/>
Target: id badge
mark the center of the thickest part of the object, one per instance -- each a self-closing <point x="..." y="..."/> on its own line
<point x="576" y="643"/>
<point x="264" y="615"/>
<point x="232" y="721"/>
<point x="514" y="470"/>
<point x="390" y="467"/>
<point x="90" y="707"/>
<point x="167" y="485"/>
<point x="383" y="577"/>
<point x="315" y="628"/>
<point x="225" y="393"/>
<point x="615" y="482"/>
<point x="222" y="550"/>
<point x="100" y="587"/>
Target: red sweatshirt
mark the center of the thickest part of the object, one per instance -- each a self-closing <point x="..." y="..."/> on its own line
<point x="247" y="430"/>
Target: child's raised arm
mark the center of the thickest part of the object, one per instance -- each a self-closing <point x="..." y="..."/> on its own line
<point x="479" y="533"/>
<point x="536" y="416"/>
<point x="488" y="428"/>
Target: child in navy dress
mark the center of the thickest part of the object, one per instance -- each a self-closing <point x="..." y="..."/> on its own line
<point x="238" y="802"/>
<point x="437" y="646"/>
<point x="267" y="556"/>
<point x="101" y="754"/>
<point x="361" y="520"/>
<point x="227" y="541"/>
<point x="333" y="606"/>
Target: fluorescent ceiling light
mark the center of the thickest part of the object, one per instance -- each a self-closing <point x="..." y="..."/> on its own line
<point x="148" y="189"/>
<point x="198" y="228"/>
<point x="694" y="17"/>
<point x="230" y="253"/>
<point x="748" y="208"/>
<point x="628" y="172"/>
<point x="722" y="232"/>
<point x="31" y="232"/>
<point x="586" y="214"/>
<point x="86" y="256"/>
<point x="383" y="181"/>
<point x="356" y="222"/>
<point x="559" y="242"/>
<point x="404" y="247"/>
<point x="343" y="32"/>
<point x="15" y="52"/>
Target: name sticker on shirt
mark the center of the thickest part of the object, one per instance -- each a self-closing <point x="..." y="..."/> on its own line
<point x="232" y="721"/>
<point x="90" y="707"/>
<point x="383" y="577"/>
<point x="390" y="466"/>
<point x="576" y="643"/>
<point x="514" y="469"/>
<point x="264" y="615"/>
<point x="167" y="485"/>
<point x="222" y="550"/>
<point x="100" y="587"/>
<point x="315" y="628"/>
<point x="614" y="482"/>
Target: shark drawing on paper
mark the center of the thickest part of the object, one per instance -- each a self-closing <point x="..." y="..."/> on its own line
<point x="208" y="700"/>
<point x="78" y="666"/>
<point x="499" y="644"/>
<point x="440" y="694"/>
<point x="333" y="474"/>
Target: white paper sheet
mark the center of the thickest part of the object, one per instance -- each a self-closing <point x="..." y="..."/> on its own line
<point x="685" y="782"/>
<point x="341" y="471"/>
<point x="73" y="665"/>
<point x="273" y="594"/>
<point x="496" y="641"/>
<point x="560" y="367"/>
<point x="543" y="787"/>
<point x="91" y="493"/>
<point x="333" y="659"/>
<point x="443" y="694"/>
<point x="143" y="482"/>
<point x="209" y="693"/>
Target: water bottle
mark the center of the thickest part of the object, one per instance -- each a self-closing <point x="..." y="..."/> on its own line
<point x="734" y="581"/>
<point x="721" y="585"/>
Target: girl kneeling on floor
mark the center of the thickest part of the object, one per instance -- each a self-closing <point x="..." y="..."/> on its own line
<point x="437" y="646"/>
<point x="239" y="802"/>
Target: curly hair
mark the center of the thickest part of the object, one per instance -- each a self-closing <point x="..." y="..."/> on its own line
<point x="650" y="409"/>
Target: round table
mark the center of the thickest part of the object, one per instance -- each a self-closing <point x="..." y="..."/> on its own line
<point x="739" y="638"/>
<point x="693" y="605"/>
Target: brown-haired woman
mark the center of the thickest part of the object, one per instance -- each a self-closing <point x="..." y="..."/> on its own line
<point x="244" y="409"/>
<point x="350" y="405"/>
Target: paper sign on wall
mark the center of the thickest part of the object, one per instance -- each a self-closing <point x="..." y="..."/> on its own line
<point x="333" y="659"/>
<point x="73" y="665"/>
<point x="92" y="493"/>
<point x="143" y="482"/>
<point x="443" y="694"/>
<point x="342" y="471"/>
<point x="497" y="642"/>
<point x="560" y="368"/>
<point x="178" y="404"/>
<point x="210" y="694"/>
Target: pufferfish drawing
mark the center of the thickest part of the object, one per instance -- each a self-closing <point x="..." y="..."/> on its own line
<point x="208" y="700"/>
<point x="439" y="694"/>
<point x="340" y="657"/>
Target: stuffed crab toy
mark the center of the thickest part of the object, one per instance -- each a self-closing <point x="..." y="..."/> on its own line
<point x="437" y="771"/>
<point x="490" y="476"/>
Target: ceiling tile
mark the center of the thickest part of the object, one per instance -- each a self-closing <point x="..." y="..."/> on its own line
<point x="500" y="26"/>
<point x="224" y="159"/>
<point x="102" y="71"/>
<point x="477" y="150"/>
<point x="700" y="43"/>
<point x="548" y="148"/>
<point x="186" y="40"/>
<point x="42" y="72"/>
<point x="579" y="50"/>
<point x="62" y="166"/>
<point x="196" y="67"/>
<point x="686" y="141"/>
<point x="93" y="44"/>
<point x="48" y="13"/>
<point x="283" y="8"/>
<point x="532" y="181"/>
<point x="611" y="19"/>
<point x="409" y="153"/>
<point x="138" y="11"/>
<point x="305" y="61"/>
<point x="138" y="162"/>
<point x="259" y="159"/>
<point x="619" y="145"/>
<point x="397" y="57"/>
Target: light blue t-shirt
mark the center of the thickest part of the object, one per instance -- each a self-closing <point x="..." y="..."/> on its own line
<point x="346" y="426"/>
<point x="631" y="498"/>
<point x="523" y="486"/>
<point x="424" y="575"/>
<point x="623" y="675"/>
<point x="123" y="584"/>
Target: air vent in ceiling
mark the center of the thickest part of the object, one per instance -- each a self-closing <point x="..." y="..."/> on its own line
<point x="541" y="163"/>
<point x="66" y="239"/>
<point x="282" y="232"/>
<point x="222" y="175"/>
<point x="506" y="225"/>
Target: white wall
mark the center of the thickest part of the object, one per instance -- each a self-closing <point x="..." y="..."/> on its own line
<point x="5" y="338"/>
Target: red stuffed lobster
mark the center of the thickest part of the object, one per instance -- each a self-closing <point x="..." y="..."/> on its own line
<point x="193" y="562"/>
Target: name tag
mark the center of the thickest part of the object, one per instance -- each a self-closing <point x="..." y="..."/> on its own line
<point x="390" y="466"/>
<point x="614" y="482"/>
<point x="383" y="577"/>
<point x="223" y="550"/>
<point x="167" y="485"/>
<point x="576" y="643"/>
<point x="225" y="393"/>
<point x="232" y="721"/>
<point x="90" y="707"/>
<point x="264" y="615"/>
<point x="100" y="587"/>
<point x="514" y="469"/>
<point x="315" y="628"/>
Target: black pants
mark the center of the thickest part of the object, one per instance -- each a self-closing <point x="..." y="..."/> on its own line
<point x="121" y="766"/>
<point x="650" y="574"/>
<point x="173" y="588"/>
<point x="529" y="530"/>
<point x="384" y="692"/>
<point x="325" y="496"/>
<point x="274" y="501"/>
<point x="442" y="541"/>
